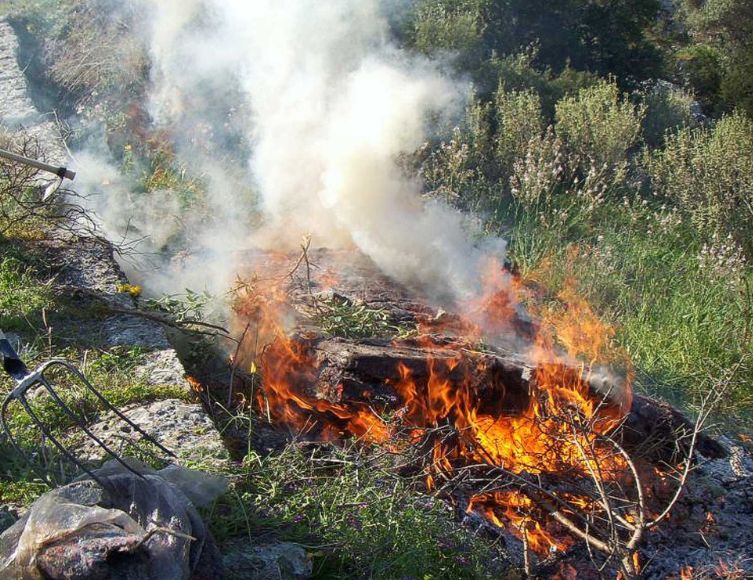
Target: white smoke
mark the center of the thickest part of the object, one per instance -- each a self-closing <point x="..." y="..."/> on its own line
<point x="326" y="106"/>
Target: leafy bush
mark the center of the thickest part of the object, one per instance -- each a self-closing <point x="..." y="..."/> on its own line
<point x="700" y="68"/>
<point x="519" y="120"/>
<point x="708" y="172"/>
<point x="737" y="85"/>
<point x="447" y="171"/>
<point x="96" y="53"/>
<point x="453" y="26"/>
<point x="718" y="61"/>
<point x="589" y="34"/>
<point x="538" y="175"/>
<point x="518" y="72"/>
<point x="599" y="126"/>
<point x="550" y="191"/>
<point x="668" y="108"/>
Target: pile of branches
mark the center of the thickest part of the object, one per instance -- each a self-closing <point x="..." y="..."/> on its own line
<point x="608" y="518"/>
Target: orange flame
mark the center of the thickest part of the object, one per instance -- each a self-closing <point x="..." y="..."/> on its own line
<point x="195" y="384"/>
<point x="556" y="431"/>
<point x="518" y="513"/>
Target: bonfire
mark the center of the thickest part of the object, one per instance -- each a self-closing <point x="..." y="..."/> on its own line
<point x="516" y="409"/>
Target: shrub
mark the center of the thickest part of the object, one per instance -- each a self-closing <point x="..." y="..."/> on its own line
<point x="452" y="26"/>
<point x="519" y="120"/>
<point x="517" y="72"/>
<point x="708" y="172"/>
<point x="700" y="67"/>
<point x="547" y="184"/>
<point x="538" y="174"/>
<point x="446" y="171"/>
<point x="720" y="60"/>
<point x="737" y="85"/>
<point x="668" y="108"/>
<point x="99" y="58"/>
<point x="599" y="126"/>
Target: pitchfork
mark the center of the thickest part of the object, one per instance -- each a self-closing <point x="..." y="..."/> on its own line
<point x="26" y="379"/>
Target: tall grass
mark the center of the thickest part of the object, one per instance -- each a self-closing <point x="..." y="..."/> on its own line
<point x="680" y="318"/>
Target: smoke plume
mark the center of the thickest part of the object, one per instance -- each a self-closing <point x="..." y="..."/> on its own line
<point x="316" y="105"/>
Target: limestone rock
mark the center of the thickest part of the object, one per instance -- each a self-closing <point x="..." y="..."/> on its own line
<point x="284" y="561"/>
<point x="184" y="428"/>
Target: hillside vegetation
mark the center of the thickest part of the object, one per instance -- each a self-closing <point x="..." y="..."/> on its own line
<point x="611" y="144"/>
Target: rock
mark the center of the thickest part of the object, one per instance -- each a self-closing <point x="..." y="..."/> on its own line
<point x="124" y="330"/>
<point x="284" y="561"/>
<point x="162" y="367"/>
<point x="17" y="110"/>
<point x="182" y="427"/>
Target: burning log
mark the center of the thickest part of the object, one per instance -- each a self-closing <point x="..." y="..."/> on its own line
<point x="366" y="371"/>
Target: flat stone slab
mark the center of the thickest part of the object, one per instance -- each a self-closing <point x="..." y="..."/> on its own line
<point x="17" y="110"/>
<point x="184" y="428"/>
<point x="162" y="367"/>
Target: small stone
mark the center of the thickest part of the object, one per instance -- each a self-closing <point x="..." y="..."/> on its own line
<point x="284" y="561"/>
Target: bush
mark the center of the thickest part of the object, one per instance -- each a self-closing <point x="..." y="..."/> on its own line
<point x="668" y="108"/>
<point x="599" y="126"/>
<point x="547" y="185"/>
<point x="700" y="68"/>
<point x="708" y="172"/>
<point x="84" y="56"/>
<point x="519" y="120"/>
<point x="737" y="85"/>
<point x="452" y="26"/>
<point x="97" y="55"/>
<point x="517" y="72"/>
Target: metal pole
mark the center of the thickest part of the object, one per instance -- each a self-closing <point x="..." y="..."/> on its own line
<point x="61" y="172"/>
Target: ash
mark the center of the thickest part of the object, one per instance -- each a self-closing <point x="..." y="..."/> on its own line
<point x="710" y="532"/>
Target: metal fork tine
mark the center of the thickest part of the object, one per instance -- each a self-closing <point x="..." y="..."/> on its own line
<point x="68" y="411"/>
<point x="112" y="408"/>
<point x="55" y="442"/>
<point x="9" y="434"/>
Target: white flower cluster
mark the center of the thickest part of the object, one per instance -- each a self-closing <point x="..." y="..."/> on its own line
<point x="724" y="258"/>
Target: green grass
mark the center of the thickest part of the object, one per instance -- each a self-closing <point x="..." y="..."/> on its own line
<point x="112" y="373"/>
<point x="681" y="322"/>
<point x="22" y="294"/>
<point x="109" y="372"/>
<point x="355" y="516"/>
<point x="30" y="308"/>
<point x="18" y="483"/>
